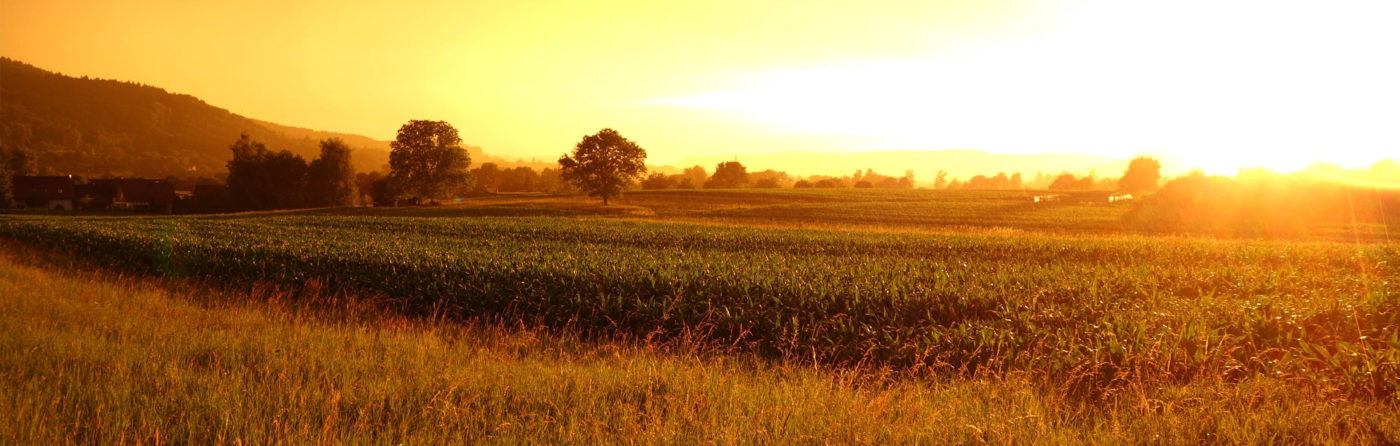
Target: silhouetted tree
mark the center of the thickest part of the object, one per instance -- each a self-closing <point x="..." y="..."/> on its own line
<point x="603" y="164"/>
<point x="427" y="161"/>
<point x="728" y="175"/>
<point x="260" y="179"/>
<point x="7" y="193"/>
<point x="519" y="179"/>
<point x="696" y="175"/>
<point x="1067" y="181"/>
<point x="1142" y="175"/>
<point x="802" y="184"/>
<point x="941" y="180"/>
<point x="488" y="178"/>
<point x="364" y="182"/>
<point x="660" y="181"/>
<point x="331" y="177"/>
<point x="552" y="181"/>
<point x="21" y="162"/>
<point x="770" y="179"/>
<point x="381" y="192"/>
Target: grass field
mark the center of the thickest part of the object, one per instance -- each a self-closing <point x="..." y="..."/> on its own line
<point x="1109" y="334"/>
<point x="100" y="358"/>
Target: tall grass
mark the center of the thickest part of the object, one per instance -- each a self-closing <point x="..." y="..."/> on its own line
<point x="99" y="358"/>
<point x="1090" y="316"/>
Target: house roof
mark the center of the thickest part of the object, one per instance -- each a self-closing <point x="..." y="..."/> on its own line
<point x="136" y="190"/>
<point x="45" y="187"/>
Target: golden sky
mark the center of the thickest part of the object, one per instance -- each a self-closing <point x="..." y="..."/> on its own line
<point x="1218" y="84"/>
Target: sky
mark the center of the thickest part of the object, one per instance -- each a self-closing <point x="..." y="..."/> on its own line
<point x="1218" y="84"/>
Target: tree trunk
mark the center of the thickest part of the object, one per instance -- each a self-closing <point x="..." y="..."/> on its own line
<point x="605" y="199"/>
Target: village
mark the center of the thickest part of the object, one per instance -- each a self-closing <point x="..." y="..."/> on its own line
<point x="66" y="193"/>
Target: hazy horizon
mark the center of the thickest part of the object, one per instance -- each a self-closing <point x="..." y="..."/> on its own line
<point x="1251" y="84"/>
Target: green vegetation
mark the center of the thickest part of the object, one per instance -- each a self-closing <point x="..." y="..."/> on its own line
<point x="91" y="358"/>
<point x="1089" y="317"/>
<point x="603" y="164"/>
<point x="1052" y="323"/>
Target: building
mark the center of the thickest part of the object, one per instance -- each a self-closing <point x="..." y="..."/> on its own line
<point x="132" y="194"/>
<point x="44" y="192"/>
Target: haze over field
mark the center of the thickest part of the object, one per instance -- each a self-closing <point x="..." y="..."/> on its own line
<point x="1218" y="85"/>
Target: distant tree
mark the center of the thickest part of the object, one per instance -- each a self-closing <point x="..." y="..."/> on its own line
<point x="488" y="178"/>
<point x="21" y="162"/>
<point x="696" y="175"/>
<point x="770" y="179"/>
<point x="7" y="193"/>
<point x="802" y="184"/>
<point x="381" y="192"/>
<point x="1015" y="182"/>
<point x="519" y="179"/>
<point x="864" y="185"/>
<point x="940" y="181"/>
<point x="331" y="177"/>
<point x="427" y="161"/>
<point x="827" y="183"/>
<point x="552" y="181"/>
<point x="1067" y="181"/>
<point x="1142" y="175"/>
<point x="364" y="182"/>
<point x="260" y="179"/>
<point x="659" y="181"/>
<point x="603" y="164"/>
<point x="728" y="175"/>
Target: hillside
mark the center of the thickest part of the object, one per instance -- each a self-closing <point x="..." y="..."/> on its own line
<point x="94" y="127"/>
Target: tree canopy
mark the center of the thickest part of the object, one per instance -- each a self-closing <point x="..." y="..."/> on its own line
<point x="260" y="179"/>
<point x="728" y="175"/>
<point x="603" y="164"/>
<point x="428" y="161"/>
<point x="1142" y="175"/>
<point x="331" y="177"/>
<point x="6" y="194"/>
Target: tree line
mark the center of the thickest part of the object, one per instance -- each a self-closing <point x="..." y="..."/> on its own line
<point x="14" y="162"/>
<point x="429" y="165"/>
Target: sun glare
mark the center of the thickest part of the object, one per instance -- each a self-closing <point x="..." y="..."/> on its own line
<point x="1301" y="83"/>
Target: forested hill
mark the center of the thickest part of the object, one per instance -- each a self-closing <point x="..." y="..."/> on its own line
<point x="95" y="127"/>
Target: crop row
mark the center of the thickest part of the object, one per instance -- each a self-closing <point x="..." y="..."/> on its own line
<point x="1093" y="314"/>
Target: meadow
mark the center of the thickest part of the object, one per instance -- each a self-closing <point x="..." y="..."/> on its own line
<point x="114" y="359"/>
<point x="1102" y="326"/>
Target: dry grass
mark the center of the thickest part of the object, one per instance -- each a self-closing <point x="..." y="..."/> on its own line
<point x="98" y="358"/>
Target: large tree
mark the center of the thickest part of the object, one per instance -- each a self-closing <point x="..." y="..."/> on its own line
<point x="603" y="164"/>
<point x="331" y="177"/>
<point x="1142" y="175"/>
<point x="260" y="179"/>
<point x="728" y="175"/>
<point x="21" y="161"/>
<point x="428" y="161"/>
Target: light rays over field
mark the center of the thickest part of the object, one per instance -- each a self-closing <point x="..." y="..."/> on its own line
<point x="1218" y="85"/>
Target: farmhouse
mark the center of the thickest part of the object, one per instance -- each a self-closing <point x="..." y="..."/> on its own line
<point x="43" y="192"/>
<point x="133" y="194"/>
